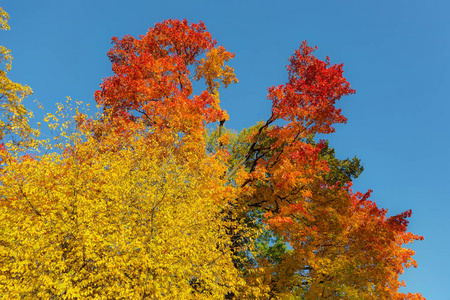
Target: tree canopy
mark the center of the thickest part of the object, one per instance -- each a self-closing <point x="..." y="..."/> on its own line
<point x="154" y="198"/>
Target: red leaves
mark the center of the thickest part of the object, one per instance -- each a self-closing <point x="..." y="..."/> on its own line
<point x="313" y="88"/>
<point x="399" y="222"/>
<point x="186" y="41"/>
<point x="152" y="80"/>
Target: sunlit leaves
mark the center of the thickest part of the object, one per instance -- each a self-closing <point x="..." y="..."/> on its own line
<point x="114" y="218"/>
<point x="143" y="201"/>
<point x="14" y="114"/>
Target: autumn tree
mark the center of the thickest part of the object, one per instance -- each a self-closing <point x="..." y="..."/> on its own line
<point x="114" y="217"/>
<point x="149" y="200"/>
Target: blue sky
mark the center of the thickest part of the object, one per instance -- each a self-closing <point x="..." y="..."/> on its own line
<point x="396" y="55"/>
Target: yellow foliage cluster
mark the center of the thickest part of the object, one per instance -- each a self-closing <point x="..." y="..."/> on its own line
<point x="113" y="219"/>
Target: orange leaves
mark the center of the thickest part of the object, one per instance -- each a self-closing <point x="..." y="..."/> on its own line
<point x="224" y="140"/>
<point x="372" y="235"/>
<point x="342" y="243"/>
<point x="214" y="70"/>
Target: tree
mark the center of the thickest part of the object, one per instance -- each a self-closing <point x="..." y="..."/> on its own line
<point x="146" y="201"/>
<point x="113" y="217"/>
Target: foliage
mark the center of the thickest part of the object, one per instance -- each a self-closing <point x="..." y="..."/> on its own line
<point x="115" y="217"/>
<point x="145" y="201"/>
<point x="15" y="115"/>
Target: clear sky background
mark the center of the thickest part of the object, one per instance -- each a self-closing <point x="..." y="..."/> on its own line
<point x="396" y="55"/>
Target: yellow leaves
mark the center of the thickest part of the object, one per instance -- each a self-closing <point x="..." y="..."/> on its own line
<point x="214" y="70"/>
<point x="224" y="139"/>
<point x="114" y="217"/>
<point x="4" y="17"/>
<point x="241" y="176"/>
<point x="11" y="94"/>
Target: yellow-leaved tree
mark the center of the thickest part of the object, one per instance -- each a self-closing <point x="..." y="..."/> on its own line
<point x="111" y="216"/>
